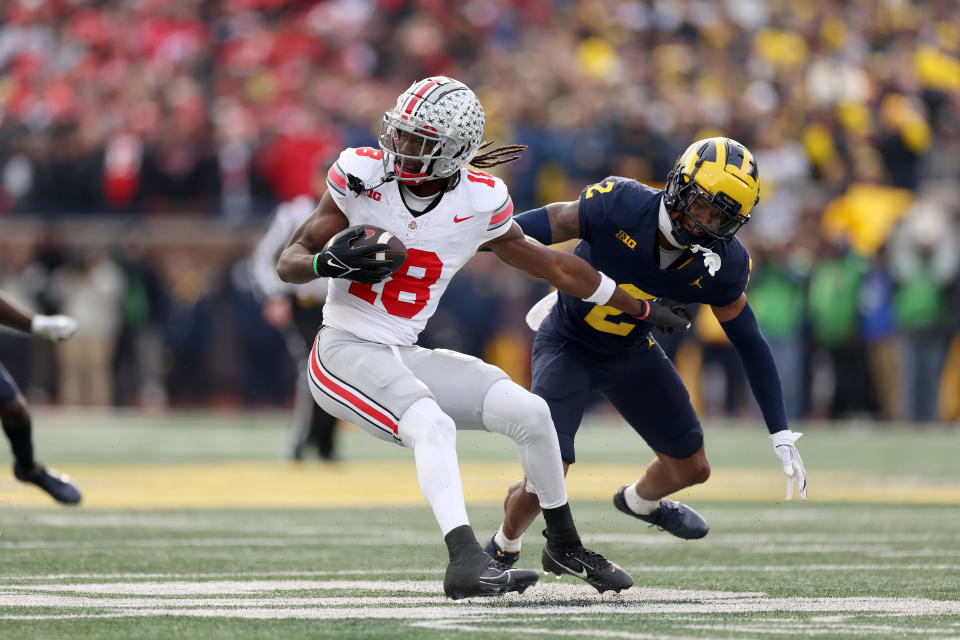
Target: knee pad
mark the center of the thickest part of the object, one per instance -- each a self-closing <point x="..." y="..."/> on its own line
<point x="425" y="420"/>
<point x="517" y="413"/>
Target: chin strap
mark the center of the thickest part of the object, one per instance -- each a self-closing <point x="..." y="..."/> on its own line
<point x="358" y="187"/>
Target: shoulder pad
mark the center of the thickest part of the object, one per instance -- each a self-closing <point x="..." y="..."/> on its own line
<point x="736" y="262"/>
<point x="364" y="162"/>
<point x="610" y="185"/>
<point x="489" y="196"/>
<point x="485" y="191"/>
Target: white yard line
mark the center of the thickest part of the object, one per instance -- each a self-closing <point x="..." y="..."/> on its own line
<point x="893" y="566"/>
<point x="420" y="603"/>
<point x="543" y="599"/>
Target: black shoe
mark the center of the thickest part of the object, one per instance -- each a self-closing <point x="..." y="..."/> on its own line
<point x="481" y="576"/>
<point x="60" y="486"/>
<point x="508" y="558"/>
<point x="673" y="517"/>
<point x="587" y="565"/>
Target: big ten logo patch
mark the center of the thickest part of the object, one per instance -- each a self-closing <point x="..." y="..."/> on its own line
<point x="375" y="195"/>
<point x="626" y="239"/>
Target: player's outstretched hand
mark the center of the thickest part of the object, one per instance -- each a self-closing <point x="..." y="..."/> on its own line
<point x="783" y="446"/>
<point x="679" y="309"/>
<point x="55" y="328"/>
<point x="340" y="260"/>
<point x="665" y="317"/>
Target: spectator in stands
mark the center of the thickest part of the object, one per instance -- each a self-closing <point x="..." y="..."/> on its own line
<point x="90" y="289"/>
<point x="924" y="261"/>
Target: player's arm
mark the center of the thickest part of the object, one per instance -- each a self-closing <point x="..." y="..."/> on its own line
<point x="741" y="327"/>
<point x="307" y="258"/>
<point x="54" y="328"/>
<point x="556" y="222"/>
<point x="574" y="275"/>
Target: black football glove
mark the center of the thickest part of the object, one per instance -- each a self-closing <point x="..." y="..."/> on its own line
<point x="666" y="315"/>
<point x="340" y="260"/>
<point x="678" y="309"/>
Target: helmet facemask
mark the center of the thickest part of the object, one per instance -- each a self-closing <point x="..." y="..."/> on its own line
<point x="716" y="216"/>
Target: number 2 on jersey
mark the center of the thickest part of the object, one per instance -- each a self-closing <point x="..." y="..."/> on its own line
<point x="425" y="264"/>
<point x="606" y="187"/>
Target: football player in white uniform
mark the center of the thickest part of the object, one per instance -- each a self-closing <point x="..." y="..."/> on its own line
<point x="365" y="367"/>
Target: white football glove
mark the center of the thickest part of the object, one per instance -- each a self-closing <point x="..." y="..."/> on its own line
<point x="55" y="328"/>
<point x="790" y="460"/>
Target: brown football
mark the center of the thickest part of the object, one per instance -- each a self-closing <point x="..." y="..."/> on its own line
<point x="397" y="253"/>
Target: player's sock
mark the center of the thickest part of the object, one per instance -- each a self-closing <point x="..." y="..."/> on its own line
<point x="506" y="543"/>
<point x="19" y="432"/>
<point x="461" y="541"/>
<point x="561" y="531"/>
<point x="637" y="504"/>
<point x="432" y="435"/>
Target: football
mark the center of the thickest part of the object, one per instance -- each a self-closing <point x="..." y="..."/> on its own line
<point x="396" y="254"/>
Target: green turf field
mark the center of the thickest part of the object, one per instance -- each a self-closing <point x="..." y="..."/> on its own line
<point x="193" y="526"/>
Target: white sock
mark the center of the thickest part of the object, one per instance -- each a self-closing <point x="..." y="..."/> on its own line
<point x="506" y="543"/>
<point x="637" y="504"/>
<point x="432" y="435"/>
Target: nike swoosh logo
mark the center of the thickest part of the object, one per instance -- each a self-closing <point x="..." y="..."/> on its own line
<point x="339" y="265"/>
<point x="456" y="219"/>
<point x="503" y="578"/>
<point x="582" y="574"/>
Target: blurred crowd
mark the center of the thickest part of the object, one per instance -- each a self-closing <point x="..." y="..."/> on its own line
<point x="224" y="108"/>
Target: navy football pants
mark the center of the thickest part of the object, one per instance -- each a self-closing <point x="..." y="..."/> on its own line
<point x="642" y="385"/>
<point x="8" y="388"/>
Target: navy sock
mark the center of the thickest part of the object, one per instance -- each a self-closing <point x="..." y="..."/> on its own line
<point x="20" y="435"/>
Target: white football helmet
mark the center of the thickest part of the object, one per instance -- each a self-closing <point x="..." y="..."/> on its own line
<point x="433" y="132"/>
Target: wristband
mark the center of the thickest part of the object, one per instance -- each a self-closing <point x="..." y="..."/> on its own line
<point x="604" y="291"/>
<point x="646" y="310"/>
<point x="316" y="259"/>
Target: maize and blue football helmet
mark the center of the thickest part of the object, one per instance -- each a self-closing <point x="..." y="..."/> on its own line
<point x="714" y="185"/>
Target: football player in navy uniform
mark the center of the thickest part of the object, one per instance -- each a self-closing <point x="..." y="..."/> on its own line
<point x="676" y="244"/>
<point x="13" y="407"/>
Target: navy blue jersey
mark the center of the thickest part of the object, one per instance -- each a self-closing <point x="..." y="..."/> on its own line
<point x="618" y="231"/>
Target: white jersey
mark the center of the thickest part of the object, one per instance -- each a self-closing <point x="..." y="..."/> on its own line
<point x="438" y="243"/>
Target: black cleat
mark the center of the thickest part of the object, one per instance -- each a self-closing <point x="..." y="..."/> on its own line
<point x="671" y="516"/>
<point x="481" y="576"/>
<point x="508" y="558"/>
<point x="63" y="489"/>
<point x="587" y="565"/>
